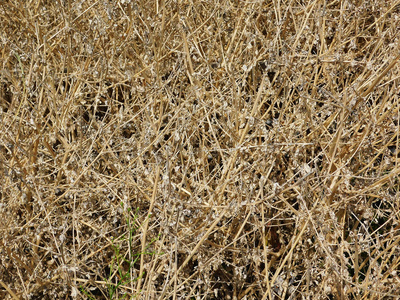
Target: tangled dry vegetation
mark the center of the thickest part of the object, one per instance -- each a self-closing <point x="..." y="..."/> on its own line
<point x="199" y="149"/>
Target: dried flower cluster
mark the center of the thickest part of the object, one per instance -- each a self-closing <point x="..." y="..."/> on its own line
<point x="199" y="149"/>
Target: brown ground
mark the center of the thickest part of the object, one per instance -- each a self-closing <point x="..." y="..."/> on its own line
<point x="199" y="149"/>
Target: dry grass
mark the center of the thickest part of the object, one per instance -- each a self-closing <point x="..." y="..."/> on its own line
<point x="199" y="149"/>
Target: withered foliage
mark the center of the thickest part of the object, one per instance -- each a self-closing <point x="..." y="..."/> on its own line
<point x="199" y="149"/>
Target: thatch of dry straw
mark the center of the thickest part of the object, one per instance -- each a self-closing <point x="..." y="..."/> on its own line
<point x="199" y="149"/>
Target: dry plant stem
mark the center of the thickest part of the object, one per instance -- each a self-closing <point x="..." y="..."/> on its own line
<point x="193" y="252"/>
<point x="176" y="256"/>
<point x="149" y="146"/>
<point x="229" y="50"/>
<point x="207" y="262"/>
<point x="94" y="96"/>
<point x="378" y="79"/>
<point x="266" y="277"/>
<point x="145" y="227"/>
<point x="188" y="59"/>
<point x="332" y="156"/>
<point x="9" y="291"/>
<point x="374" y="262"/>
<point x="282" y="264"/>
<point x="225" y="179"/>
<point x="300" y="32"/>
<point x="103" y="283"/>
<point x="152" y="273"/>
<point x="373" y="24"/>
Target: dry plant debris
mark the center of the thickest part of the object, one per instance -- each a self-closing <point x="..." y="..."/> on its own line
<point x="199" y="149"/>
